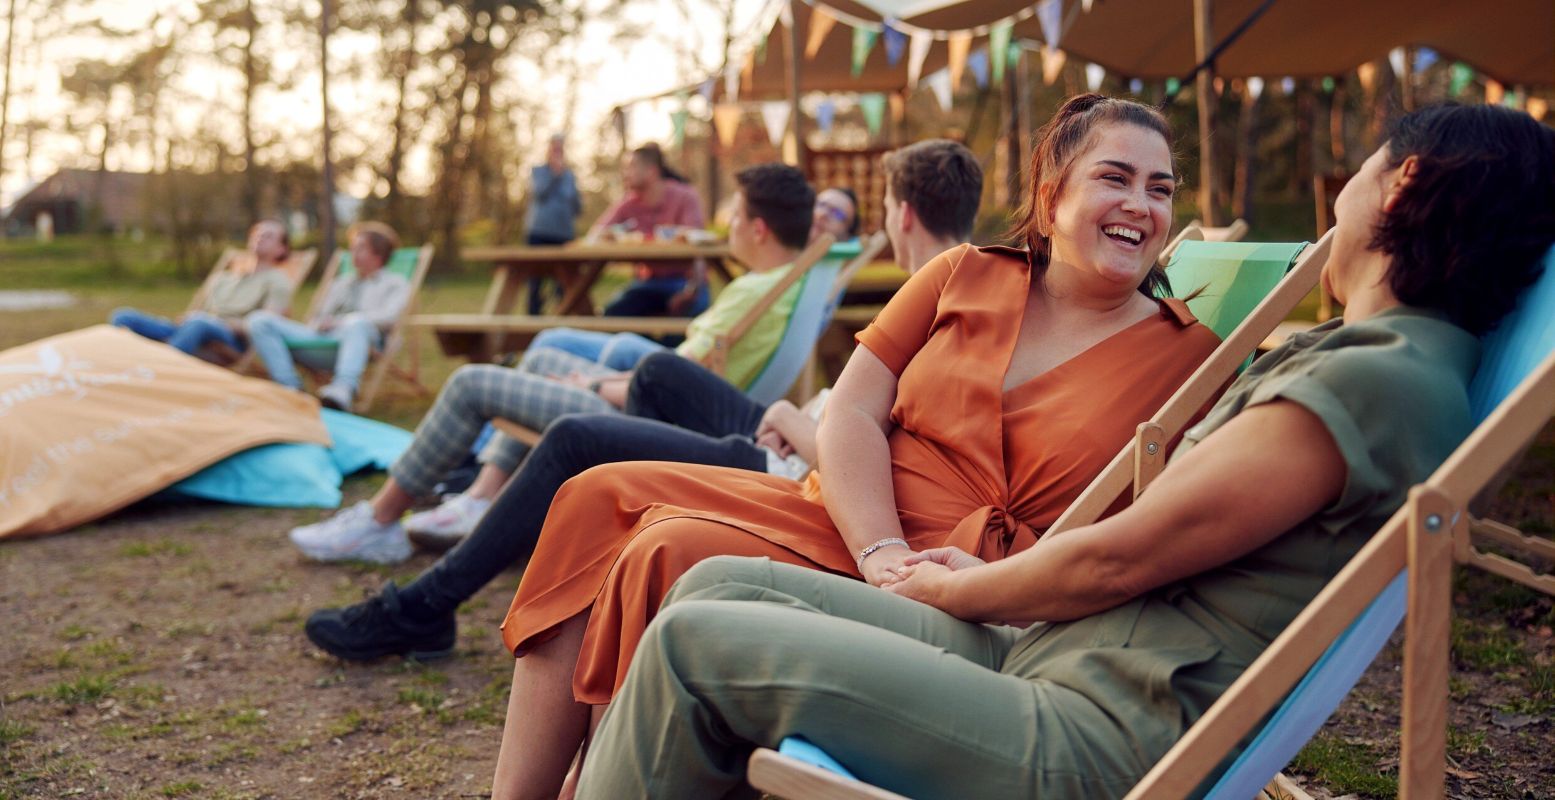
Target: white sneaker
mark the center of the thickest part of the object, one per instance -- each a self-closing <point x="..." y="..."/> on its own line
<point x="336" y="395"/>
<point x="448" y="524"/>
<point x="353" y="535"/>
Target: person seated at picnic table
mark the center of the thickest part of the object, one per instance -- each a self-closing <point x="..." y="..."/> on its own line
<point x="657" y="199"/>
<point x="1151" y="614"/>
<point x="769" y="229"/>
<point x="836" y="213"/>
<point x="995" y="385"/>
<point x="676" y="410"/>
<point x="355" y="314"/>
<point x="258" y="282"/>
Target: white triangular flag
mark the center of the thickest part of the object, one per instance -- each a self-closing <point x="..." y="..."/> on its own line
<point x="775" y="115"/>
<point x="939" y="83"/>
<point x="1093" y="75"/>
<point x="731" y="82"/>
<point x="1086" y="4"/>
<point x="917" y="52"/>
<point x="1050" y="16"/>
<point x="1255" y="87"/>
<point x="1396" y="60"/>
<point x="786" y="15"/>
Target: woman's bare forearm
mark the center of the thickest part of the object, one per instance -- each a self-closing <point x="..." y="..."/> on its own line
<point x="855" y="468"/>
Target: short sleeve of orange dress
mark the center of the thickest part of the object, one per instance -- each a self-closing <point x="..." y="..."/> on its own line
<point x="904" y="325"/>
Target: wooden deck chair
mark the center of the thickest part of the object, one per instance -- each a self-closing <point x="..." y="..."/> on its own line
<point x="794" y="772"/>
<point x="318" y="355"/>
<point x="1403" y="574"/>
<point x="297" y="267"/>
<point x="818" y="266"/>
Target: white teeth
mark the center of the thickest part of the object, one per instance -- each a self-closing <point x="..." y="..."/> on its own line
<point x="1127" y="233"/>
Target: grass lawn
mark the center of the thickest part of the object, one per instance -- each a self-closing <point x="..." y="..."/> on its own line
<point x="158" y="653"/>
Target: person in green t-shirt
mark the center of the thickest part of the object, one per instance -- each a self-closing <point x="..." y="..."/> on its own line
<point x="263" y="285"/>
<point x="771" y="225"/>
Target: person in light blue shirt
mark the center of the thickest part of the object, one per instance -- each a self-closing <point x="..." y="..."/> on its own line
<point x="554" y="206"/>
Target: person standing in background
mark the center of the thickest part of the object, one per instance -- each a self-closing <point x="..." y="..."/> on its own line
<point x="554" y="206"/>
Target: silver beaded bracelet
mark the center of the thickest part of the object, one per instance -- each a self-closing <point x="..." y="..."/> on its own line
<point x="865" y="553"/>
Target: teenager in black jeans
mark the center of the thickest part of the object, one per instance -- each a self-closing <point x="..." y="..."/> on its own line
<point x="676" y="411"/>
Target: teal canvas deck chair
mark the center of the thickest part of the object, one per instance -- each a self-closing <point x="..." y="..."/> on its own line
<point x="318" y="355"/>
<point x="1403" y="575"/>
<point x="1244" y="289"/>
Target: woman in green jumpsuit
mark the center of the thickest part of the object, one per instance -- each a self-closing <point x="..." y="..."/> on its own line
<point x="1151" y="613"/>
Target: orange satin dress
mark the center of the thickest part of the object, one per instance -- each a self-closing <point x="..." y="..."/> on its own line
<point x="974" y="466"/>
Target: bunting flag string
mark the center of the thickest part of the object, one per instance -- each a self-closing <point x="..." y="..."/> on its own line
<point x="775" y="115"/>
<point x="1424" y="58"/>
<point x="863" y="42"/>
<point x="999" y="48"/>
<point x="960" y="44"/>
<point x="895" y="41"/>
<point x="726" y="119"/>
<point x="1255" y="87"/>
<point x="873" y="106"/>
<point x="978" y="63"/>
<point x="1288" y="86"/>
<point x="1495" y="93"/>
<point x="706" y="89"/>
<point x="821" y="22"/>
<point x="1462" y="76"/>
<point x="917" y="52"/>
<point x="1368" y="75"/>
<point x="1538" y="107"/>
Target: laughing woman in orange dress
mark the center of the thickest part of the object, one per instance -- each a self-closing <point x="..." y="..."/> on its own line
<point x="989" y="392"/>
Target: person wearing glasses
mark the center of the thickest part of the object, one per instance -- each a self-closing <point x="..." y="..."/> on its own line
<point x="836" y="213"/>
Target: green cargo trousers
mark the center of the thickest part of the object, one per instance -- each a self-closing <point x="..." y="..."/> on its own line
<point x="746" y="652"/>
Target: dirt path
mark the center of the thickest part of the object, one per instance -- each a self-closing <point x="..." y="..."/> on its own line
<point x="160" y="654"/>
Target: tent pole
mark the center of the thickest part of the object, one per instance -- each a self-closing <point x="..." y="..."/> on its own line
<point x="1203" y="40"/>
<point x="795" y="120"/>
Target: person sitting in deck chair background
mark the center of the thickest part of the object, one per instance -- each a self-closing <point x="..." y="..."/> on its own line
<point x="241" y="290"/>
<point x="355" y="314"/>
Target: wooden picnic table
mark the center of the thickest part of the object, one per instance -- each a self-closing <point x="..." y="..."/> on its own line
<point x="577" y="267"/>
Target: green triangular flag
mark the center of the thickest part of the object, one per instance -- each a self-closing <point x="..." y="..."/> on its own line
<point x="1328" y="85"/>
<point x="761" y="51"/>
<point x="999" y="48"/>
<point x="1172" y="85"/>
<point x="1462" y="76"/>
<point x="678" y="119"/>
<point x="863" y="42"/>
<point x="873" y="106"/>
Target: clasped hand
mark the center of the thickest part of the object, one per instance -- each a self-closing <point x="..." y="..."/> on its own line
<point x="928" y="576"/>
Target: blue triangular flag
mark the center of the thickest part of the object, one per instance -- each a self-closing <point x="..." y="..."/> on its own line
<point x="825" y="113"/>
<point x="895" y="42"/>
<point x="978" y="63"/>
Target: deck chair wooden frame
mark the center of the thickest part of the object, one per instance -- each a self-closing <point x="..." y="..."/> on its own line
<point x="297" y="267"/>
<point x="1196" y="232"/>
<point x="1132" y="469"/>
<point x="718" y="358"/>
<point x="383" y="358"/>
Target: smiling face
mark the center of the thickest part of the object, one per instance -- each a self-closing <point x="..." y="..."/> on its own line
<point x="834" y="214"/>
<point x="1113" y="210"/>
<point x="363" y="257"/>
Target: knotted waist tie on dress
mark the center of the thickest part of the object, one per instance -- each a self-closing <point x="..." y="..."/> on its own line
<point x="991" y="532"/>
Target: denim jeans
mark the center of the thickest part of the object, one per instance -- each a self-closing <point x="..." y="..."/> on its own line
<point x="188" y="335"/>
<point x="618" y="351"/>
<point x="354" y="336"/>
<point x="650" y="298"/>
<point x="573" y="443"/>
<point x="537" y="285"/>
